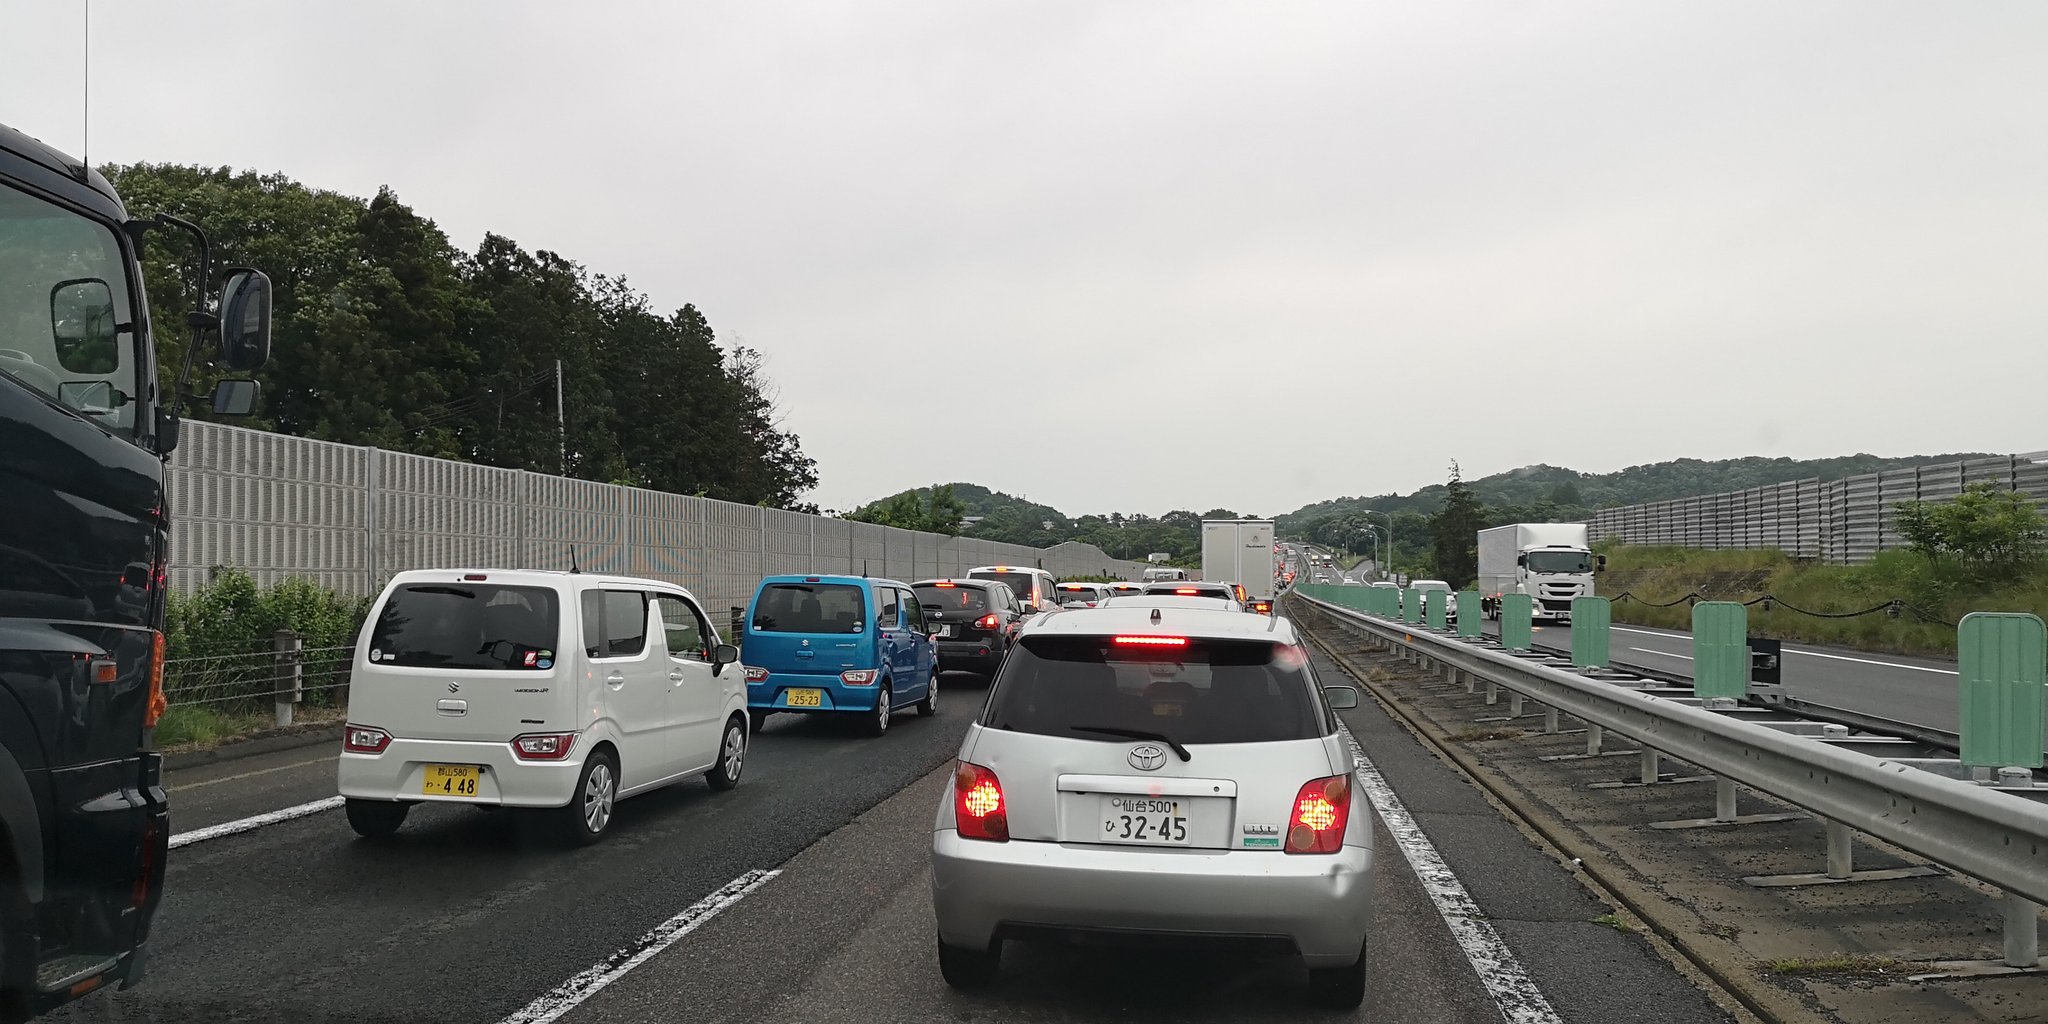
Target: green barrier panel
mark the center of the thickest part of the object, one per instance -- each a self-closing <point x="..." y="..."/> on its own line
<point x="1470" y="615"/>
<point x="1720" y="649"/>
<point x="1411" y="605"/>
<point x="1435" y="613"/>
<point x="1590" y="619"/>
<point x="1515" y="613"/>
<point x="1386" y="602"/>
<point x="2002" y="664"/>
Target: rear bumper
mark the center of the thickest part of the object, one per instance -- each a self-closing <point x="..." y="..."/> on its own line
<point x="971" y="655"/>
<point x="399" y="773"/>
<point x="772" y="694"/>
<point x="1321" y="906"/>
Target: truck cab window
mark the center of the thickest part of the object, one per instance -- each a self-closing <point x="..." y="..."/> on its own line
<point x="67" y="327"/>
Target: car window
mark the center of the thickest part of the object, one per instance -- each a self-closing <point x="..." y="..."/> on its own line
<point x="885" y="605"/>
<point x="1202" y="691"/>
<point x="958" y="598"/>
<point x="1020" y="583"/>
<point x="625" y="623"/>
<point x="913" y="613"/>
<point x="467" y="626"/>
<point x="811" y="608"/>
<point x="593" y="623"/>
<point x="684" y="629"/>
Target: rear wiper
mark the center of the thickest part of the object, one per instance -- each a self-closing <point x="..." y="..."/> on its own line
<point x="1136" y="734"/>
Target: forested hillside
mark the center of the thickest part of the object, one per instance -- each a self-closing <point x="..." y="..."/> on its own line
<point x="386" y="334"/>
<point x="975" y="511"/>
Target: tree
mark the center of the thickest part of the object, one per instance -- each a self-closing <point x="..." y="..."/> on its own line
<point x="932" y="510"/>
<point x="1454" y="531"/>
<point x="1987" y="534"/>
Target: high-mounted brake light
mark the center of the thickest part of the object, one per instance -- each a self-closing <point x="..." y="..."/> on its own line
<point x="945" y="583"/>
<point x="1186" y="590"/>
<point x="811" y="579"/>
<point x="543" y="746"/>
<point x="987" y="622"/>
<point x="1321" y="810"/>
<point x="1150" y="641"/>
<point x="756" y="675"/>
<point x="157" y="704"/>
<point x="858" y="677"/>
<point x="474" y="577"/>
<point x="978" y="809"/>
<point x="363" y="739"/>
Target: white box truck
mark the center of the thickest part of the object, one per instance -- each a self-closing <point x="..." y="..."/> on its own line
<point x="1550" y="562"/>
<point x="1240" y="551"/>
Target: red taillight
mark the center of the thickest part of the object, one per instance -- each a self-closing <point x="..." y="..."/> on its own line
<point x="987" y="622"/>
<point x="1150" y="641"/>
<point x="157" y="703"/>
<point x="756" y="675"/>
<point x="543" y="746"/>
<point x="978" y="810"/>
<point x="361" y="739"/>
<point x="1321" y="810"/>
<point x="858" y="677"/>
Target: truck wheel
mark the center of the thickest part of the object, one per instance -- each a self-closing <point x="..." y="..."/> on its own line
<point x="375" y="819"/>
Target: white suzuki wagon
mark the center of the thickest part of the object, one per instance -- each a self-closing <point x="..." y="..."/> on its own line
<point x="518" y="688"/>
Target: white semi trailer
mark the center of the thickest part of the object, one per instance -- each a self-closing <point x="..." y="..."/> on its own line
<point x="1550" y="562"/>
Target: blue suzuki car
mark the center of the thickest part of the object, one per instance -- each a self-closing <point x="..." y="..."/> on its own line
<point x="846" y="645"/>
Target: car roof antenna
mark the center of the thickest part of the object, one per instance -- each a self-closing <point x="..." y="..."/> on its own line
<point x="573" y="570"/>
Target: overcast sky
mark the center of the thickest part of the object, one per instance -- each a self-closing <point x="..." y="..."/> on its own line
<point x="1388" y="234"/>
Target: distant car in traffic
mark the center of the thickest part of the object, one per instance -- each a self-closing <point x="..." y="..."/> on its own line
<point x="839" y="645"/>
<point x="1116" y="589"/>
<point x="1197" y="588"/>
<point x="1214" y="602"/>
<point x="1082" y="595"/>
<point x="1036" y="590"/>
<point x="550" y="690"/>
<point x="972" y="621"/>
<point x="1157" y="774"/>
<point x="1437" y="590"/>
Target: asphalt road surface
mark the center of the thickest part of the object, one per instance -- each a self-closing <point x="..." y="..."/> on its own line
<point x="467" y="918"/>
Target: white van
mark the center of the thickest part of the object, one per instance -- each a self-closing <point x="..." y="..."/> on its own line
<point x="517" y="688"/>
<point x="1161" y="575"/>
<point x="1035" y="588"/>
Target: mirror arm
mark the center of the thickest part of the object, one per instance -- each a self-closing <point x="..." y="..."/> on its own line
<point x="200" y="319"/>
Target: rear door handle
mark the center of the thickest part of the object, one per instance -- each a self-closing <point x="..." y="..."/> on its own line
<point x="675" y="675"/>
<point x="616" y="678"/>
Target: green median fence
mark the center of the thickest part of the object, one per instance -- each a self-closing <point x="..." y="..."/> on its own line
<point x="1386" y="602"/>
<point x="1470" y="615"/>
<point x="1411" y="605"/>
<point x="2002" y="666"/>
<point x="1516" y="611"/>
<point x="1434" y="611"/>
<point x="1590" y="618"/>
<point x="1720" y="649"/>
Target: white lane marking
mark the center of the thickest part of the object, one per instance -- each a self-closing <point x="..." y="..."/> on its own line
<point x="559" y="1000"/>
<point x="200" y="835"/>
<point x="249" y="775"/>
<point x="1518" y="998"/>
<point x="1794" y="650"/>
<point x="1661" y="654"/>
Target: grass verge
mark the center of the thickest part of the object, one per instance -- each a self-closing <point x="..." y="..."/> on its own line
<point x="1652" y="575"/>
<point x="199" y="728"/>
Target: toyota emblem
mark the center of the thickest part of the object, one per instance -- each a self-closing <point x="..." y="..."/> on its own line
<point x="1147" y="758"/>
<point x="454" y="687"/>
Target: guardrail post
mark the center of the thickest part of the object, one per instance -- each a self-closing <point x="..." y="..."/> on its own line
<point x="1549" y="719"/>
<point x="1841" y="850"/>
<point x="1594" y="734"/>
<point x="2022" y="931"/>
<point x="289" y="682"/>
<point x="1724" y="798"/>
<point x="1492" y="692"/>
<point x="1651" y="768"/>
<point x="1515" y="705"/>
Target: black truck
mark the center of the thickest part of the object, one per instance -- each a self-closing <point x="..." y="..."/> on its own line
<point x="84" y="532"/>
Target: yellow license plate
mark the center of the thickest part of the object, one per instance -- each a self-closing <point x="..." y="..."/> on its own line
<point x="451" y="779"/>
<point x="806" y="698"/>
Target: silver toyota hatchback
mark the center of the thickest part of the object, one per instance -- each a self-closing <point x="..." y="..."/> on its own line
<point x="1157" y="774"/>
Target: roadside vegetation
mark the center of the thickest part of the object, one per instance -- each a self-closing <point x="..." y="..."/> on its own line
<point x="1981" y="552"/>
<point x="218" y="663"/>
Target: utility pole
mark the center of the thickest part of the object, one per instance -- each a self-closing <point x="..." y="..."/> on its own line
<point x="561" y="426"/>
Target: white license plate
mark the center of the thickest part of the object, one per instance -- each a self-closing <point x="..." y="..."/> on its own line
<point x="945" y="631"/>
<point x="1146" y="820"/>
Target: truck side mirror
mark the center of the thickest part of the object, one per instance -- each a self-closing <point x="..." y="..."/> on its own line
<point x="1600" y="562"/>
<point x="1521" y="559"/>
<point x="245" y="319"/>
<point x="235" y="397"/>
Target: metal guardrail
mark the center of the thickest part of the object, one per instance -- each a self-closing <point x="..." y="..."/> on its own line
<point x="1997" y="838"/>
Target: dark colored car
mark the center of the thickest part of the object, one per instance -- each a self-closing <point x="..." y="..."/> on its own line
<point x="974" y="621"/>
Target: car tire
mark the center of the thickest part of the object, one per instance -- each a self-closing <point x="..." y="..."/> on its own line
<point x="375" y="819"/>
<point x="929" y="706"/>
<point x="588" y="815"/>
<point x="732" y="756"/>
<point x="1338" y="988"/>
<point x="878" y="720"/>
<point x="970" y="968"/>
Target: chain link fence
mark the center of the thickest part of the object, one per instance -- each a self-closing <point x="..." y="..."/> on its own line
<point x="1840" y="521"/>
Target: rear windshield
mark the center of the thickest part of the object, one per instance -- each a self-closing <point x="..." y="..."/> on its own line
<point x="1206" y="692"/>
<point x="948" y="599"/>
<point x="468" y="625"/>
<point x="811" y="608"/>
<point x="1019" y="582"/>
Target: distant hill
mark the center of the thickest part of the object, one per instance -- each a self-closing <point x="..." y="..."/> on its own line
<point x="1551" y="493"/>
<point x="994" y="515"/>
